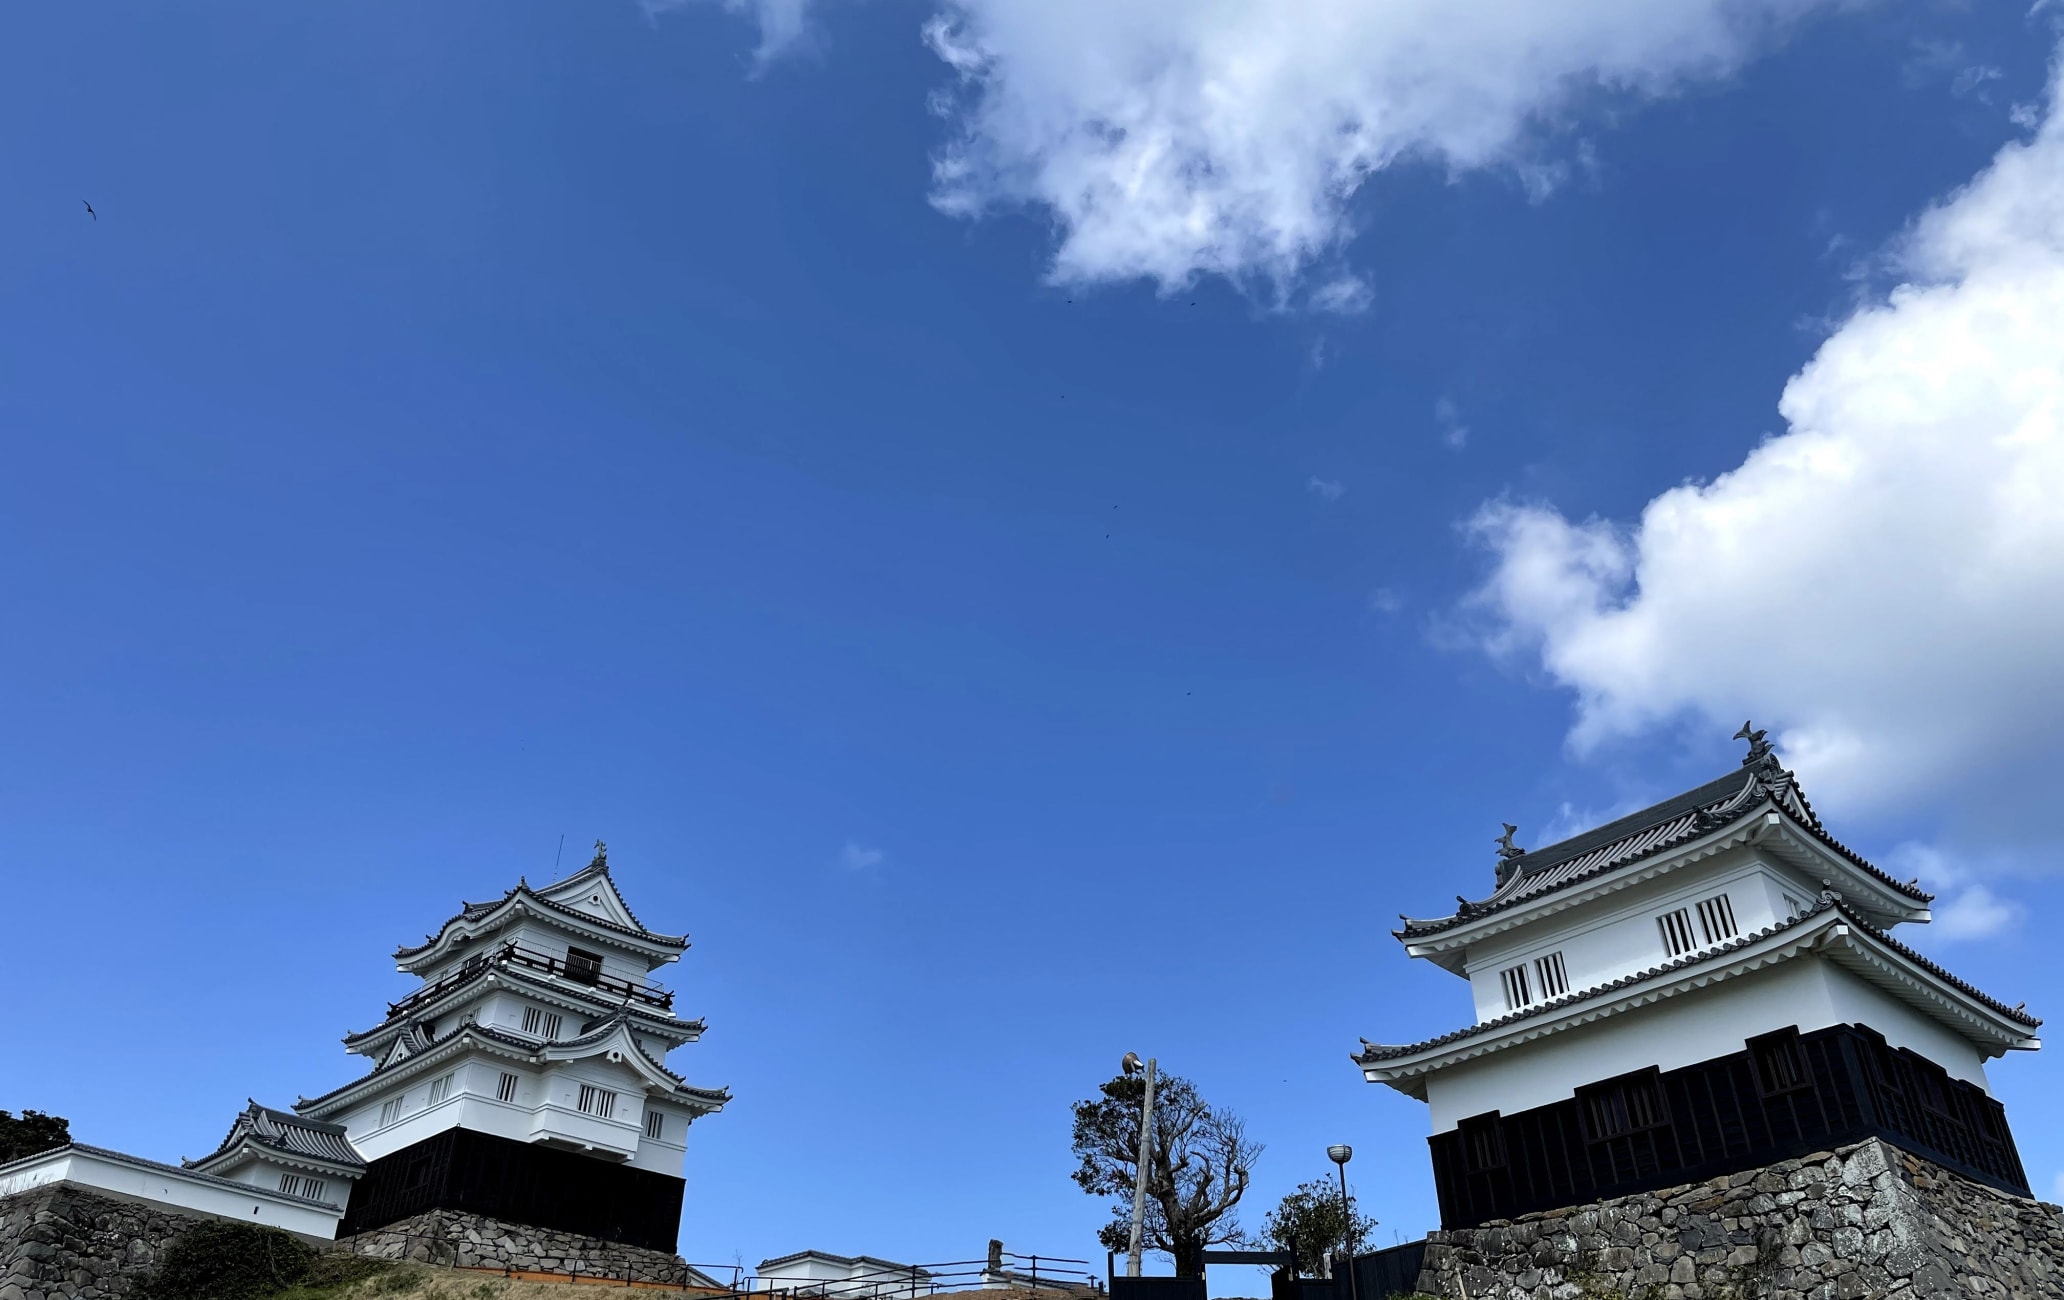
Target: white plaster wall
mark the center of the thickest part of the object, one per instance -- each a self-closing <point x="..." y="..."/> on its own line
<point x="164" y="1185"/>
<point x="259" y="1172"/>
<point x="1857" y="1001"/>
<point x="1807" y="991"/>
<point x="666" y="1154"/>
<point x="547" y="1107"/>
<point x="558" y="1116"/>
<point x="1618" y="935"/>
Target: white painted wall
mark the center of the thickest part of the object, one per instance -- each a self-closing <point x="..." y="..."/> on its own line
<point x="815" y="1274"/>
<point x="1808" y="991"/>
<point x="546" y="1109"/>
<point x="1618" y="935"/>
<point x="134" y="1178"/>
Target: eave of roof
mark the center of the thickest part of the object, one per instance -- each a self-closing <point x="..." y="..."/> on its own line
<point x="528" y="1050"/>
<point x="659" y="1026"/>
<point x="1544" y="1015"/>
<point x="474" y="913"/>
<point x="1654" y="830"/>
<point x="285" y="1135"/>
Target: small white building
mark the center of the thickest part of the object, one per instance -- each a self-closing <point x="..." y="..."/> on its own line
<point x="1707" y="985"/>
<point x="840" y="1277"/>
<point x="299" y="1157"/>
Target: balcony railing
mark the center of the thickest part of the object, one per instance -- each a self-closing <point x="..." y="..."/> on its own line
<point x="508" y="954"/>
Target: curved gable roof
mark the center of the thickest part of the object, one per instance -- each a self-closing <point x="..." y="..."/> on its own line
<point x="1761" y="782"/>
<point x="476" y="913"/>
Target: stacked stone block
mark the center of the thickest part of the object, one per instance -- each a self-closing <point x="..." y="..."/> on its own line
<point x="1862" y="1223"/>
<point x="451" y="1238"/>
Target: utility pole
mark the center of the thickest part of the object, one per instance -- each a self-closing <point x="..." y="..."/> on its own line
<point x="1340" y="1154"/>
<point x="1131" y="1065"/>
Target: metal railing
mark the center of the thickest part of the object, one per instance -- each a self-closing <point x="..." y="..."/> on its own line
<point x="509" y="954"/>
<point x="1055" y="1274"/>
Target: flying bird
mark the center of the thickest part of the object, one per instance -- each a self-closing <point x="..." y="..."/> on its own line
<point x="96" y="216"/>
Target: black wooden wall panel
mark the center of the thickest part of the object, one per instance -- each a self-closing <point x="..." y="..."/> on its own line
<point x="1718" y="1119"/>
<point x="519" y="1182"/>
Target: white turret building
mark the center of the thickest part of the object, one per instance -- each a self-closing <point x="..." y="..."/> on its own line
<point x="525" y="1080"/>
<point x="1704" y="986"/>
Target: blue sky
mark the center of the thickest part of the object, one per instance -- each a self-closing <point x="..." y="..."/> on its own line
<point x="1013" y="601"/>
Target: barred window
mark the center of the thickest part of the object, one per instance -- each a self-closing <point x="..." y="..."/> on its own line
<point x="1554" y="980"/>
<point x="544" y="1024"/>
<point x="599" y="1102"/>
<point x="1483" y="1143"/>
<point x="506" y="1089"/>
<point x="440" y="1088"/>
<point x="1716" y="919"/>
<point x="1779" y="1067"/>
<point x="296" y="1185"/>
<point x="1676" y="927"/>
<point x="1623" y="1106"/>
<point x="390" y="1110"/>
<point x="1514" y="981"/>
<point x="655" y="1124"/>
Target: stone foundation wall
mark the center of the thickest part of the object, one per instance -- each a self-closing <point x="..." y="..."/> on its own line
<point x="1864" y="1222"/>
<point x="64" y="1241"/>
<point x="473" y="1241"/>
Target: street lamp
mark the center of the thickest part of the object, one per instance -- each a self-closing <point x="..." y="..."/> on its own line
<point x="1131" y="1066"/>
<point x="1340" y="1153"/>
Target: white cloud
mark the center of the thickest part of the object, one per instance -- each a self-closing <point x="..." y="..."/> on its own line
<point x="1883" y="581"/>
<point x="1963" y="909"/>
<point x="1345" y="295"/>
<point x="782" y="23"/>
<point x="1453" y="431"/>
<point x="1326" y="488"/>
<point x="1975" y="914"/>
<point x="1386" y="600"/>
<point x="856" y="857"/>
<point x="1171" y="138"/>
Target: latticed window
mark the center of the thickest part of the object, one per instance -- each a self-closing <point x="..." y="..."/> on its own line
<point x="1517" y="992"/>
<point x="655" y="1124"/>
<point x="390" y="1110"/>
<point x="297" y="1185"/>
<point x="440" y="1088"/>
<point x="599" y="1102"/>
<point x="1554" y="980"/>
<point x="1676" y="928"/>
<point x="506" y="1089"/>
<point x="1483" y="1143"/>
<point x="1716" y="919"/>
<point x="1623" y="1106"/>
<point x="1778" y="1064"/>
<point x="544" y="1024"/>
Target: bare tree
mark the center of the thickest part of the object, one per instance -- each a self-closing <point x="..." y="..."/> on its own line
<point x="1199" y="1170"/>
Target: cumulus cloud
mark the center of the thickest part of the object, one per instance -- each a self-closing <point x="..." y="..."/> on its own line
<point x="857" y="857"/>
<point x="1171" y="138"/>
<point x="1325" y="488"/>
<point x="1883" y="580"/>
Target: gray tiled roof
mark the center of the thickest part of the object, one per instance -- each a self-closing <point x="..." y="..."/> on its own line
<point x="1679" y="820"/>
<point x="475" y="911"/>
<point x="288" y="1134"/>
